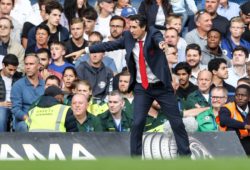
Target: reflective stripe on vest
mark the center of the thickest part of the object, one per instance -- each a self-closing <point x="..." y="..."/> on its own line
<point x="236" y="116"/>
<point x="50" y="119"/>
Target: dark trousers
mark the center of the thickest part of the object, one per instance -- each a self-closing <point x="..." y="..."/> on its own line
<point x="142" y="102"/>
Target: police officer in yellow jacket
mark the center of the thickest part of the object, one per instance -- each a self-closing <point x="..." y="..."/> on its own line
<point x="236" y="115"/>
<point x="50" y="115"/>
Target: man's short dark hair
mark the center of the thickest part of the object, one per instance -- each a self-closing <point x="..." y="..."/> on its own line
<point x="193" y="47"/>
<point x="140" y="18"/>
<point x="43" y="27"/>
<point x="183" y="66"/>
<point x="116" y="17"/>
<point x="90" y="13"/>
<point x="54" y="4"/>
<point x="10" y="59"/>
<point x="241" y="48"/>
<point x="244" y="86"/>
<point x="44" y="50"/>
<point x="215" y="63"/>
<point x="53" y="77"/>
<point x="215" y="30"/>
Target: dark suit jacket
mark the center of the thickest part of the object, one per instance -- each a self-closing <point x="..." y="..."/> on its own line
<point x="154" y="56"/>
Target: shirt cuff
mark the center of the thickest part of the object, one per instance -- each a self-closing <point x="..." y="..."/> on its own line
<point x="86" y="49"/>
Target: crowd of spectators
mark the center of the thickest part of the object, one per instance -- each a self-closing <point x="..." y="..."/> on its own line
<point x="208" y="54"/>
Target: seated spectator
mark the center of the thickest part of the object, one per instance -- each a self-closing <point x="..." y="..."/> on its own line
<point x="212" y="49"/>
<point x="76" y="42"/>
<point x="96" y="37"/>
<point x="42" y="38"/>
<point x="203" y="21"/>
<point x="105" y="9"/>
<point x="86" y="122"/>
<point x="123" y="85"/>
<point x="126" y="13"/>
<point x="52" y="80"/>
<point x="44" y="116"/>
<point x="26" y="91"/>
<point x="115" y="119"/>
<point x="117" y="25"/>
<point x="8" y="76"/>
<point x="44" y="56"/>
<point x="245" y="16"/>
<point x="9" y="45"/>
<point x="228" y="9"/>
<point x="207" y="119"/>
<point x="218" y="68"/>
<point x="95" y="105"/>
<point x="234" y="39"/>
<point x="243" y="80"/>
<point x="98" y="75"/>
<point x="58" y="64"/>
<point x="234" y="116"/>
<point x="5" y="8"/>
<point x="238" y="69"/>
<point x="193" y="58"/>
<point x="89" y="16"/>
<point x="68" y="78"/>
<point x="200" y="98"/>
<point x="183" y="71"/>
<point x="155" y="119"/>
<point x="175" y="21"/>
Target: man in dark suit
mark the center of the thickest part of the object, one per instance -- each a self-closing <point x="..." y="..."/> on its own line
<point x="150" y="80"/>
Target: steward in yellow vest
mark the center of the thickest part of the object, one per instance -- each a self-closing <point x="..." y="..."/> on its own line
<point x="50" y="115"/>
<point x="236" y="116"/>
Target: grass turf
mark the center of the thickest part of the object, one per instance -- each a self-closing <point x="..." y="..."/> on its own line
<point x="129" y="164"/>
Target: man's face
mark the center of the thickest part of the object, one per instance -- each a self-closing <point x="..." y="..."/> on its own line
<point x="171" y="37"/>
<point x="123" y="83"/>
<point x="107" y="6"/>
<point x="211" y="6"/>
<point x="89" y="25"/>
<point x="31" y="66"/>
<point x="96" y="58"/>
<point x="245" y="18"/>
<point x="183" y="77"/>
<point x="204" y="22"/>
<point x="175" y="23"/>
<point x="222" y="72"/>
<point x="136" y="31"/>
<point x="44" y="60"/>
<point x="172" y="55"/>
<point x="115" y="104"/>
<point x="241" y="97"/>
<point x="248" y="69"/>
<point x="57" y="51"/>
<point x="204" y="81"/>
<point x="193" y="58"/>
<point x="237" y="29"/>
<point x="239" y="58"/>
<point x="79" y="105"/>
<point x="9" y="70"/>
<point x="218" y="98"/>
<point x="42" y="37"/>
<point x="54" y="17"/>
<point x="6" y="6"/>
<point x="77" y="31"/>
<point x="51" y="82"/>
<point x="5" y="28"/>
<point x="213" y="39"/>
<point x="116" y="28"/>
<point x="84" y="89"/>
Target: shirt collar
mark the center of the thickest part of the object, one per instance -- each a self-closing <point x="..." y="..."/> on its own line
<point x="246" y="110"/>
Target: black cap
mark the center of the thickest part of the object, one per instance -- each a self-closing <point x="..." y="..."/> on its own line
<point x="245" y="8"/>
<point x="53" y="91"/>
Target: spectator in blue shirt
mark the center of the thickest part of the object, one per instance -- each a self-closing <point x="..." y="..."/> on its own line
<point x="25" y="91"/>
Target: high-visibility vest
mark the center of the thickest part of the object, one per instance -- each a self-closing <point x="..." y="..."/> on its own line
<point x="51" y="119"/>
<point x="236" y="116"/>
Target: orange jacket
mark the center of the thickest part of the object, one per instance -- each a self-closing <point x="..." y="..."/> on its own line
<point x="234" y="115"/>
